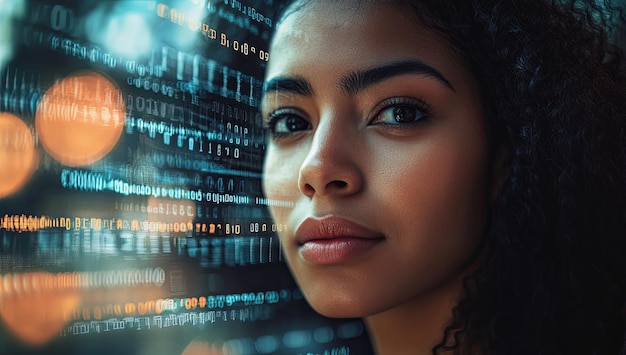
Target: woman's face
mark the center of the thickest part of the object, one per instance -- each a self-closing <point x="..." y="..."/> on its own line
<point x="378" y="141"/>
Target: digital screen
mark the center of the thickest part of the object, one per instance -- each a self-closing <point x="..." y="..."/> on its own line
<point x="132" y="219"/>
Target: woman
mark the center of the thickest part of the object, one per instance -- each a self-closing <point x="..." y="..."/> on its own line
<point x="456" y="170"/>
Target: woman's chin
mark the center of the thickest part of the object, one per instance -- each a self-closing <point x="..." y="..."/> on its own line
<point x="337" y="310"/>
<point x="341" y="305"/>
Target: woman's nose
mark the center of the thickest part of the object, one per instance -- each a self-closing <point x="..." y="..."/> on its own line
<point x="331" y="167"/>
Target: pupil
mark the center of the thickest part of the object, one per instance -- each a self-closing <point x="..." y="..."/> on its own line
<point x="296" y="124"/>
<point x="404" y="114"/>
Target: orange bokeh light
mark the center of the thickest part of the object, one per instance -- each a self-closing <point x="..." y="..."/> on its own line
<point x="80" y="118"/>
<point x="200" y="347"/>
<point x="46" y="312"/>
<point x="36" y="306"/>
<point x="18" y="158"/>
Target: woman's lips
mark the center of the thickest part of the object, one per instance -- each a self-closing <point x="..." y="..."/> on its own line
<point x="333" y="240"/>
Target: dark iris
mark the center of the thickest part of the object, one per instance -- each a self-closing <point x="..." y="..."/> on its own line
<point x="295" y="123"/>
<point x="404" y="114"/>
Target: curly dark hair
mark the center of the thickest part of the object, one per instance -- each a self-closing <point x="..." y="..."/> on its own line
<point x="554" y="95"/>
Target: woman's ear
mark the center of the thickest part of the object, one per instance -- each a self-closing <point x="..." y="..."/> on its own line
<point x="500" y="167"/>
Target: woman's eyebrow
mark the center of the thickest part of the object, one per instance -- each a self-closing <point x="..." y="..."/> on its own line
<point x="358" y="80"/>
<point x="295" y="85"/>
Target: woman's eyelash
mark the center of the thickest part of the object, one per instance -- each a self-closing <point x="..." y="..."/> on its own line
<point x="285" y="121"/>
<point x="269" y="122"/>
<point x="401" y="105"/>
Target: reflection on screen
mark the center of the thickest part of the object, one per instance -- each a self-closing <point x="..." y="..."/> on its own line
<point x="131" y="214"/>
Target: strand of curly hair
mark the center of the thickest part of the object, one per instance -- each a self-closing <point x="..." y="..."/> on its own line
<point x="553" y="280"/>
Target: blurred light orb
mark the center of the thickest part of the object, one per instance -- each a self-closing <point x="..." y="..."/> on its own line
<point x="21" y="298"/>
<point x="128" y="35"/>
<point x="267" y="344"/>
<point x="9" y="10"/>
<point x="80" y="118"/>
<point x="18" y="156"/>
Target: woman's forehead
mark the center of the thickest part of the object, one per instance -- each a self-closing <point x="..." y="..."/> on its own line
<point x="330" y="13"/>
<point x="356" y="37"/>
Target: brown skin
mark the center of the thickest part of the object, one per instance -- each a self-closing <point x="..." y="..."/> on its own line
<point x="422" y="186"/>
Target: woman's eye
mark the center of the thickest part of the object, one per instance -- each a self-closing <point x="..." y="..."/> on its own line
<point x="282" y="123"/>
<point x="401" y="111"/>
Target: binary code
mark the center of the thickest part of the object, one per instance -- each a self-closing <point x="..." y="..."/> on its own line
<point x="132" y="206"/>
